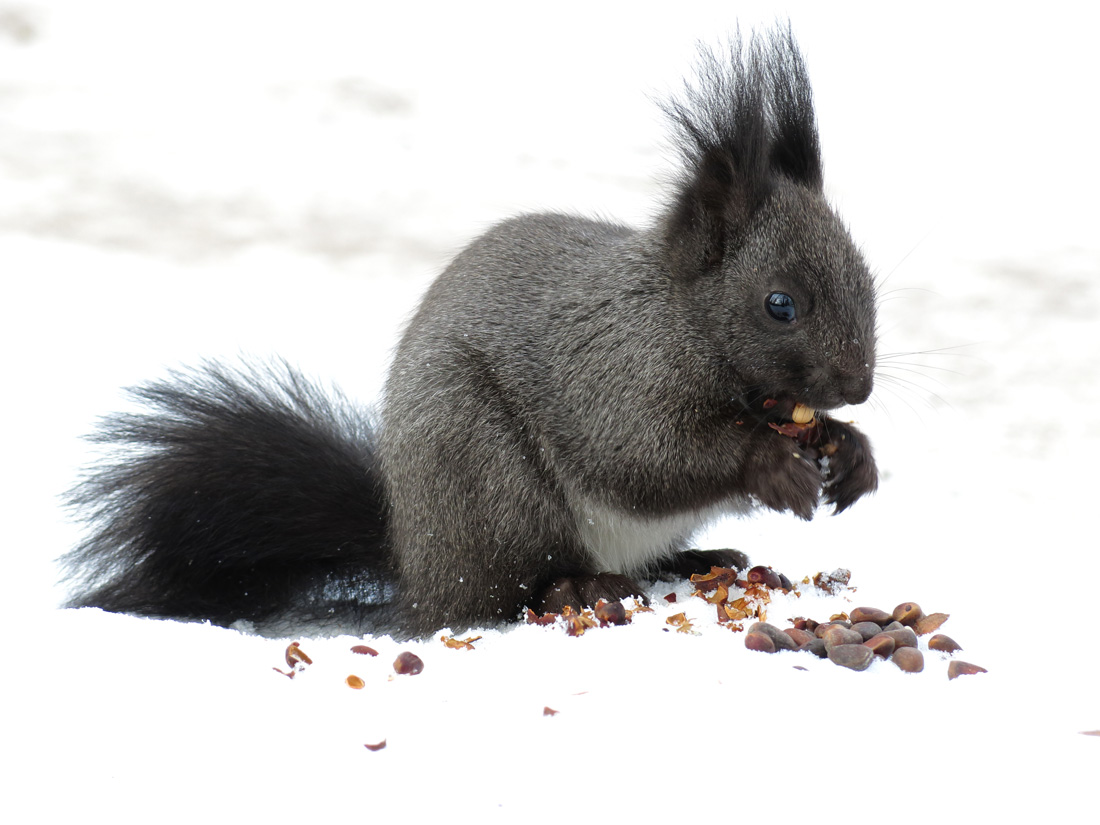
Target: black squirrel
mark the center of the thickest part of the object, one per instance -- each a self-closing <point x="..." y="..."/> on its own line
<point x="571" y="401"/>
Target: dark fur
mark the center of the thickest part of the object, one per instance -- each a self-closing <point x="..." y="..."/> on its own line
<point x="571" y="400"/>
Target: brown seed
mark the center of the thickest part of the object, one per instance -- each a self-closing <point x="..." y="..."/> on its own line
<point x="944" y="644"/>
<point x="856" y="657"/>
<point x="364" y="650"/>
<point x="611" y="613"/>
<point x="799" y="637"/>
<point x="869" y="614"/>
<point x="868" y="630"/>
<point x="960" y="668"/>
<point x="824" y="628"/>
<point x="377" y="746"/>
<point x="881" y="645"/>
<point x="765" y="576"/>
<point x="908" y="659"/>
<point x="836" y="636"/>
<point x="902" y="638"/>
<point x="671" y="598"/>
<point x="549" y="711"/>
<point x="355" y="682"/>
<point x="408" y="663"/>
<point x="760" y="642"/>
<point x="816" y="647"/>
<point x="780" y="639"/>
<point x="907" y="613"/>
<point x="930" y="623"/>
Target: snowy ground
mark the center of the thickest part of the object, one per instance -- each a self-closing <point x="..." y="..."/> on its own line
<point x="180" y="181"/>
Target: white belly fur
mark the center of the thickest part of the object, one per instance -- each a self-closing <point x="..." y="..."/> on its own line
<point x="619" y="541"/>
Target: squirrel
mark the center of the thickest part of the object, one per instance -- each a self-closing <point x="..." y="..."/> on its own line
<point x="571" y="401"/>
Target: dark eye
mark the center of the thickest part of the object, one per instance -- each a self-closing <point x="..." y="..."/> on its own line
<point x="780" y="306"/>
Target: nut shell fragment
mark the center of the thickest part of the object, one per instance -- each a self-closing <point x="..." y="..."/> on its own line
<point x="930" y="623"/>
<point x="960" y="668"/>
<point x="944" y="644"/>
<point x="295" y="655"/>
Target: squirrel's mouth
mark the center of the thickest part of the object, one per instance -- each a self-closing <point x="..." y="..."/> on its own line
<point x="790" y="410"/>
<point x="800" y="422"/>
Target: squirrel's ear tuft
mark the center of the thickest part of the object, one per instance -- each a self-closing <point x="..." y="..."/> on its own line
<point x="795" y="147"/>
<point x="747" y="119"/>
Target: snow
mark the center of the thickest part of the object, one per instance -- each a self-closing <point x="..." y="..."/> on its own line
<point x="214" y="179"/>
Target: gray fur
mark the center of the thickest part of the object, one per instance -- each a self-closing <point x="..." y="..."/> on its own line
<point x="574" y="398"/>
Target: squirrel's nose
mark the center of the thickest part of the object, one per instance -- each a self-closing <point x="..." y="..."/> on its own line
<point x="857" y="388"/>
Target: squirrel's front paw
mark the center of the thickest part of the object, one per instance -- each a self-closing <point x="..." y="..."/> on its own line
<point x="851" y="470"/>
<point x="784" y="478"/>
<point x="579" y="592"/>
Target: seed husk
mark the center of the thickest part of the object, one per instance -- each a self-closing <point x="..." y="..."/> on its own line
<point x="958" y="668"/>
<point x="944" y="644"/>
<point x="930" y="623"/>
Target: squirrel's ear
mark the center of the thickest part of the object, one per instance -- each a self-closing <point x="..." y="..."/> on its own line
<point x="708" y="212"/>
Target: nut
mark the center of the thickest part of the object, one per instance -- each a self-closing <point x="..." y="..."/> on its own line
<point x="408" y="663"/>
<point x="908" y="659"/>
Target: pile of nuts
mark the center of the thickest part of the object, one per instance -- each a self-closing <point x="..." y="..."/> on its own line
<point x="854" y="640"/>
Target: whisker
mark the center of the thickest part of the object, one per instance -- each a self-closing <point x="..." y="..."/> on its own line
<point x="905" y="257"/>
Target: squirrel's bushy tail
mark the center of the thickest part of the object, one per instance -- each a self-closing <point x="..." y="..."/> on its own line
<point x="232" y="495"/>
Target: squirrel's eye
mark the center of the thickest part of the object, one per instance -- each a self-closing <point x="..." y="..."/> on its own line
<point x="780" y="306"/>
